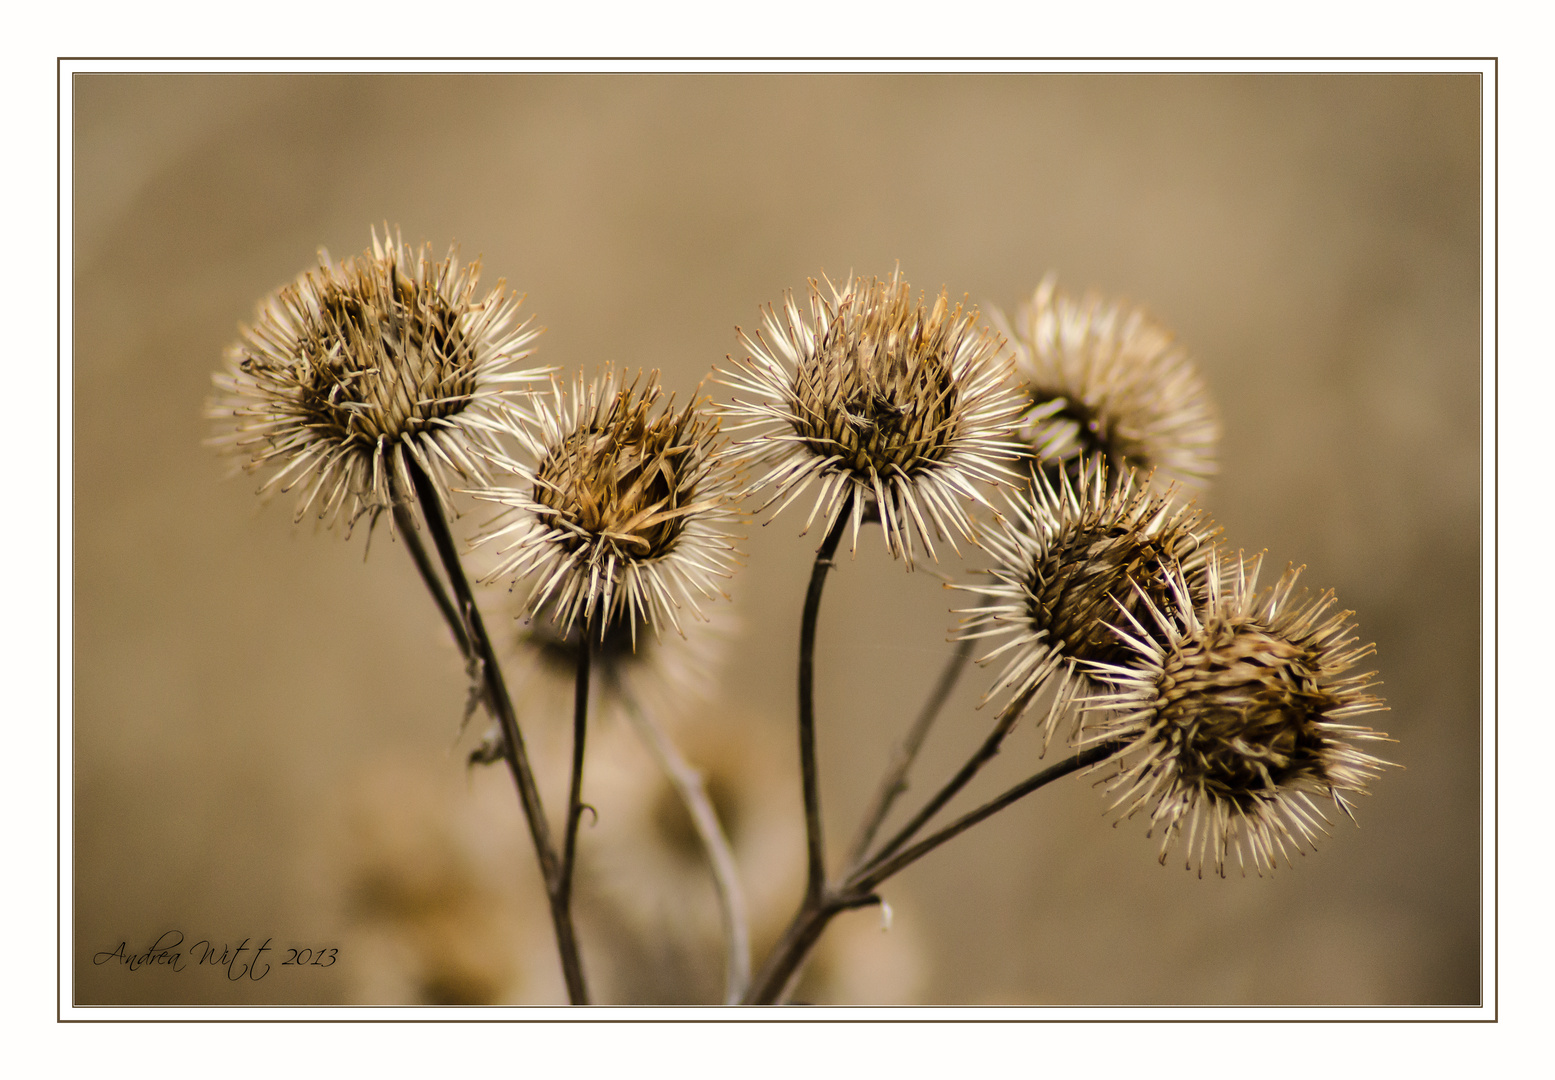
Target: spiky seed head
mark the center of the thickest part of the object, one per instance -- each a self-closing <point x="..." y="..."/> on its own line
<point x="894" y="407"/>
<point x="359" y="369"/>
<point x="1100" y="378"/>
<point x="1067" y="555"/>
<point x="1236" y="709"/>
<point x="621" y="516"/>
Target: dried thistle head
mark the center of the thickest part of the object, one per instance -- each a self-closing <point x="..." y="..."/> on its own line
<point x="876" y="396"/>
<point x="623" y="517"/>
<point x="1236" y="709"/>
<point x="1100" y="379"/>
<point x="360" y="370"/>
<point x="1067" y="556"/>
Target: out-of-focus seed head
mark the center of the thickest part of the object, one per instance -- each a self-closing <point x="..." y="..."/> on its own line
<point x="1068" y="555"/>
<point x="360" y="370"/>
<point x="634" y="670"/>
<point x="895" y="408"/>
<point x="647" y="868"/>
<point x="1235" y="709"/>
<point x="1101" y="379"/>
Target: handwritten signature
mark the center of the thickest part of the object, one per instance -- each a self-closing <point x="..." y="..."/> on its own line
<point x="168" y="951"/>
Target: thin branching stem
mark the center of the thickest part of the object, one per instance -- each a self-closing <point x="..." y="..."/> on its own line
<point x="858" y="890"/>
<point x="733" y="913"/>
<point x="867" y="881"/>
<point x="894" y="782"/>
<point x="780" y="971"/>
<point x="985" y="754"/>
<point x="496" y="695"/>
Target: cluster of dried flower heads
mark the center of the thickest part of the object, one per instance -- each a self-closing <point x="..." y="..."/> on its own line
<point x="1226" y="714"/>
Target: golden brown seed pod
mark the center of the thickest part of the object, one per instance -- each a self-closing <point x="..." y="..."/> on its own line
<point x="623" y="516"/>
<point x="357" y="370"/>
<point x="876" y="395"/>
<point x="1067" y="554"/>
<point x="1101" y="379"/>
<point x="1236" y="709"/>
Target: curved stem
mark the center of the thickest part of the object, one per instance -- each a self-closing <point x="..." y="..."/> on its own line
<point x="687" y="782"/>
<point x="812" y="916"/>
<point x="815" y="883"/>
<point x="894" y="782"/>
<point x="496" y="695"/>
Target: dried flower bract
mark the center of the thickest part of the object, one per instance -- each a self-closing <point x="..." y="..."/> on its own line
<point x="1236" y="710"/>
<point x="624" y="516"/>
<point x="360" y="369"/>
<point x="875" y="395"/>
<point x="1068" y="555"/>
<point x="1100" y="379"/>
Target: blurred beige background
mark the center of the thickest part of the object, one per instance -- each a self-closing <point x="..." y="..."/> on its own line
<point x="267" y="726"/>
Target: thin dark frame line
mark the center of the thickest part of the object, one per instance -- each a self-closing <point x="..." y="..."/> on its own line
<point x="809" y="59"/>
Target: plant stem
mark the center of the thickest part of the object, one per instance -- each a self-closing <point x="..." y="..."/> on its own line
<point x="815" y="877"/>
<point x="858" y="890"/>
<point x="512" y="741"/>
<point x="687" y="782"/>
<point x="794" y="947"/>
<point x="791" y="951"/>
<point x="867" y="881"/>
<point x="975" y="763"/>
<point x="812" y="916"/>
<point x="894" y="782"/>
<point x="405" y="523"/>
<point x="580" y="714"/>
<point x="815" y="883"/>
